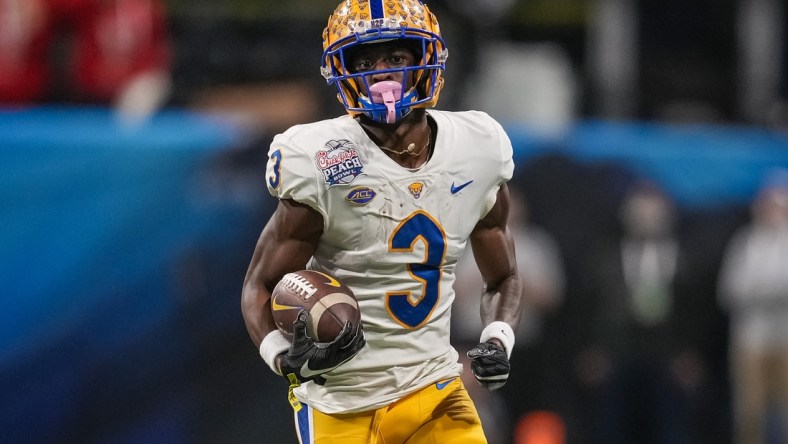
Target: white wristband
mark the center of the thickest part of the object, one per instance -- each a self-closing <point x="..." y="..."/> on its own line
<point x="274" y="344"/>
<point x="503" y="332"/>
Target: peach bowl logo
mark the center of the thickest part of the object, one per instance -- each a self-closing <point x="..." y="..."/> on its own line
<point x="339" y="162"/>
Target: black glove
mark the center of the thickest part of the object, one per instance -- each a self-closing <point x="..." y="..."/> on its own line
<point x="490" y="365"/>
<point x="307" y="360"/>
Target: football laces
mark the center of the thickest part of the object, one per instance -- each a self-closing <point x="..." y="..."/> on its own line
<point x="299" y="285"/>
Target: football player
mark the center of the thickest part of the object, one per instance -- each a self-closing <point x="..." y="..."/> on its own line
<point x="386" y="198"/>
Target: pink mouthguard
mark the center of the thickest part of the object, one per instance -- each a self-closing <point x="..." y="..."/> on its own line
<point x="386" y="92"/>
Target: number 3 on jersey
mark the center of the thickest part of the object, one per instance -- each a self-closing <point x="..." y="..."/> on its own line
<point x="418" y="226"/>
<point x="275" y="179"/>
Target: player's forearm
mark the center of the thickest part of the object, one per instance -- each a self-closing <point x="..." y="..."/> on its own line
<point x="503" y="302"/>
<point x="256" y="311"/>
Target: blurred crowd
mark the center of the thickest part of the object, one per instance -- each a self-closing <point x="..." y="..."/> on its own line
<point x="721" y="62"/>
<point x="632" y="345"/>
<point x="753" y="289"/>
<point x="644" y="322"/>
<point x="85" y="51"/>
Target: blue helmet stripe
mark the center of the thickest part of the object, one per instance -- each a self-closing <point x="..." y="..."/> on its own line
<point x="376" y="9"/>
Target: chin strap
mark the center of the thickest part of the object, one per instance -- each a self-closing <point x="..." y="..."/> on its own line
<point x="387" y="93"/>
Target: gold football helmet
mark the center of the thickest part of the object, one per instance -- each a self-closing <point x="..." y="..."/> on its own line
<point x="359" y="22"/>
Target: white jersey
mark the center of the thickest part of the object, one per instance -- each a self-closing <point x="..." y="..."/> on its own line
<point x="394" y="236"/>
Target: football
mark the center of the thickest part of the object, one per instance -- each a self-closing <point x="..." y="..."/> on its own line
<point x="329" y="302"/>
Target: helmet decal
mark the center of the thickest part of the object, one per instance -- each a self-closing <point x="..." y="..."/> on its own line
<point x="376" y="8"/>
<point x="358" y="22"/>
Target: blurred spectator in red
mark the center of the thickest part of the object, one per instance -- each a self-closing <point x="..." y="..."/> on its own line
<point x="640" y="367"/>
<point x="85" y="51"/>
<point x="753" y="287"/>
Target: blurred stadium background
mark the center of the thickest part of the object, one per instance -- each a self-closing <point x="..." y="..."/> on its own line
<point x="125" y="241"/>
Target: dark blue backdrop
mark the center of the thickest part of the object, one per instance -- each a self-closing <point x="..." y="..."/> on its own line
<point x="121" y="264"/>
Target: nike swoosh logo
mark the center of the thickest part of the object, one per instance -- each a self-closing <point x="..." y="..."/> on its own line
<point x="331" y="281"/>
<point x="440" y="385"/>
<point x="278" y="307"/>
<point x="307" y="372"/>
<point x="456" y="189"/>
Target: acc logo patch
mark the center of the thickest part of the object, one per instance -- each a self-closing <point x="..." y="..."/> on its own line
<point x="361" y="195"/>
<point x="339" y="162"/>
<point x="415" y="189"/>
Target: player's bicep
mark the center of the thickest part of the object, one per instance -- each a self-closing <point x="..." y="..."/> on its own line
<point x="286" y="244"/>
<point x="492" y="244"/>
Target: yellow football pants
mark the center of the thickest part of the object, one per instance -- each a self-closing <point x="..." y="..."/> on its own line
<point x="440" y="413"/>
